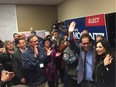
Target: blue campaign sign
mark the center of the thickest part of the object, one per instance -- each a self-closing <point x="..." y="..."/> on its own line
<point x="94" y="24"/>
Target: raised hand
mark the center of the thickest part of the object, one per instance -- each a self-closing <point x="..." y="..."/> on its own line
<point x="49" y="51"/>
<point x="72" y="26"/>
<point x="107" y="60"/>
<point x="58" y="54"/>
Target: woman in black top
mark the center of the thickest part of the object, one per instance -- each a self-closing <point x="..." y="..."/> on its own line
<point x="105" y="66"/>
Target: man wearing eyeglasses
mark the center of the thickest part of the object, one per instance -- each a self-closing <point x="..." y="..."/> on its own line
<point x="86" y="60"/>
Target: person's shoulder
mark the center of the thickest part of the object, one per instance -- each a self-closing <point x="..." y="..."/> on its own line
<point x="2" y="84"/>
<point x="16" y="53"/>
<point x="41" y="48"/>
<point x="40" y="38"/>
<point x="27" y="50"/>
<point x="67" y="50"/>
<point x="113" y="54"/>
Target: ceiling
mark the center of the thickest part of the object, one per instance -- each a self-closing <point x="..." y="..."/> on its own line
<point x="40" y="2"/>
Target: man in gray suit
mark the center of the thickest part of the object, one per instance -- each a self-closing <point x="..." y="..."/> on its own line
<point x="86" y="61"/>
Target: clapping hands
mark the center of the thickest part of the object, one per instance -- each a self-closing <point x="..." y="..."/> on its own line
<point x="7" y="76"/>
<point x="49" y="51"/>
<point x="58" y="54"/>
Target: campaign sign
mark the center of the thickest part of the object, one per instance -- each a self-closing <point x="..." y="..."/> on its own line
<point x="94" y="24"/>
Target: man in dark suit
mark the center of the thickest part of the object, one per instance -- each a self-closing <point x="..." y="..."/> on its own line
<point x="86" y="62"/>
<point x="17" y="62"/>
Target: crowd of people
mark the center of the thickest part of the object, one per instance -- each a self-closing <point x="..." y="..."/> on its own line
<point x="40" y="62"/>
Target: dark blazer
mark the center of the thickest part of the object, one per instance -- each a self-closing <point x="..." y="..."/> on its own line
<point x="2" y="84"/>
<point x="5" y="60"/>
<point x="104" y="75"/>
<point x="17" y="65"/>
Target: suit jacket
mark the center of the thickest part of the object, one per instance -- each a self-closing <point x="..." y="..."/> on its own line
<point x="81" y="59"/>
<point x="105" y="75"/>
<point x="17" y="65"/>
<point x="80" y="66"/>
<point x="2" y="84"/>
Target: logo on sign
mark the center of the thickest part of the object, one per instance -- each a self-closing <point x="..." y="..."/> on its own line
<point x="97" y="20"/>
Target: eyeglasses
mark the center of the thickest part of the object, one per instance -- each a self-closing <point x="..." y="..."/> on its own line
<point x="85" y="43"/>
<point x="35" y="41"/>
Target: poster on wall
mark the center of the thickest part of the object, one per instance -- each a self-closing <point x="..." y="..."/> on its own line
<point x="39" y="33"/>
<point x="94" y="24"/>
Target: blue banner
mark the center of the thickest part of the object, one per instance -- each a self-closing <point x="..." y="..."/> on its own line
<point x="94" y="24"/>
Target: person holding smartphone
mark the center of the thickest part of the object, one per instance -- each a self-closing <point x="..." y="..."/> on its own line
<point x="5" y="77"/>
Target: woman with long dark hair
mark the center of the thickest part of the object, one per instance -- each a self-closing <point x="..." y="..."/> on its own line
<point x="105" y="65"/>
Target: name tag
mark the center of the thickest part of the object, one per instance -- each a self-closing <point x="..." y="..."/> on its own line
<point x="41" y="65"/>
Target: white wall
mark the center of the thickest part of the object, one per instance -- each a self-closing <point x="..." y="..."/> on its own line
<point x="81" y="8"/>
<point x="8" y="22"/>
